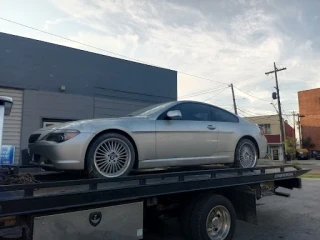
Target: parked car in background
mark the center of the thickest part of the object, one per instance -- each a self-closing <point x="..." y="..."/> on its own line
<point x="303" y="154"/>
<point x="178" y="133"/>
<point x="317" y="154"/>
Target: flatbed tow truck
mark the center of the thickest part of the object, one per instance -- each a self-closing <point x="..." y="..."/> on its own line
<point x="207" y="201"/>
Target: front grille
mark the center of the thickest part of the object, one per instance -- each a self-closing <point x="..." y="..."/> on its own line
<point x="34" y="137"/>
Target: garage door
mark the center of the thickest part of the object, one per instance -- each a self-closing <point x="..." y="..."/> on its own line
<point x="12" y="123"/>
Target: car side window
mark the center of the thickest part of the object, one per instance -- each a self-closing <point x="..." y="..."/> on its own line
<point x="221" y="115"/>
<point x="192" y="112"/>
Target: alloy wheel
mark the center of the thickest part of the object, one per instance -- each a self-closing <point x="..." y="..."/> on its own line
<point x="112" y="157"/>
<point x="248" y="155"/>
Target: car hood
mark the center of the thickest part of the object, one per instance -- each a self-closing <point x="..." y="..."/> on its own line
<point x="88" y="124"/>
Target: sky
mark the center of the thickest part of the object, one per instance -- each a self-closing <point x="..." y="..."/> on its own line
<point x="211" y="43"/>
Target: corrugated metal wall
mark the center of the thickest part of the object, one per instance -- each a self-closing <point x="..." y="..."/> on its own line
<point x="107" y="107"/>
<point x="12" y="123"/>
<point x="112" y="103"/>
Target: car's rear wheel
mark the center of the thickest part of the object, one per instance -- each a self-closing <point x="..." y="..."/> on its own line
<point x="246" y="154"/>
<point x="110" y="155"/>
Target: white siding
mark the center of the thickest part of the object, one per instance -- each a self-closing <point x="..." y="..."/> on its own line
<point x="12" y="123"/>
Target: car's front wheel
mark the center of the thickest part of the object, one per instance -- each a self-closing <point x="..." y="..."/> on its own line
<point x="246" y="154"/>
<point x="110" y="155"/>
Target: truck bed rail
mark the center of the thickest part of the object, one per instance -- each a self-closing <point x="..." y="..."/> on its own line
<point x="22" y="199"/>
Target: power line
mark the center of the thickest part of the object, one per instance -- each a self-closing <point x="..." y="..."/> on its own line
<point x="251" y="95"/>
<point x="252" y="114"/>
<point x="287" y="115"/>
<point x="261" y="117"/>
<point x="208" y="79"/>
<point x="201" y="92"/>
<point x="104" y="50"/>
<point x="259" y="114"/>
<point x="251" y="75"/>
<point x="215" y="95"/>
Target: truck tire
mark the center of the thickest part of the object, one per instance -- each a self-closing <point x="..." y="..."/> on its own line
<point x="213" y="217"/>
<point x="185" y="216"/>
<point x="110" y="155"/>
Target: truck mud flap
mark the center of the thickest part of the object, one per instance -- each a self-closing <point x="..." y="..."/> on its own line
<point x="244" y="201"/>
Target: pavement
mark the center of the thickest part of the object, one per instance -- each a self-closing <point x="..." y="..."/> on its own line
<point x="294" y="218"/>
<point x="312" y="164"/>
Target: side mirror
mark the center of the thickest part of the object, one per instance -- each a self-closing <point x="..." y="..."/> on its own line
<point x="174" y="114"/>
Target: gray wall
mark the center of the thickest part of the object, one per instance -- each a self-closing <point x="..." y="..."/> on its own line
<point x="96" y="85"/>
<point x="39" y="105"/>
<point x="107" y="107"/>
<point x="36" y="65"/>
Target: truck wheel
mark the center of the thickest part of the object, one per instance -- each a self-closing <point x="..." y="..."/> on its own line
<point x="110" y="155"/>
<point x="246" y="154"/>
<point x="185" y="217"/>
<point x="213" y="217"/>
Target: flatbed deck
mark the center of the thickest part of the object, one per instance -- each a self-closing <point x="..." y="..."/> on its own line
<point x="22" y="199"/>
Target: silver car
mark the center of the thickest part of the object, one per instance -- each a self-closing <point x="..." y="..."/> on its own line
<point x="178" y="133"/>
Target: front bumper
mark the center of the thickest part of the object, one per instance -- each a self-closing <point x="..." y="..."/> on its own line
<point x="68" y="155"/>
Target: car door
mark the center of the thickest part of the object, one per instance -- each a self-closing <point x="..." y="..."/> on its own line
<point x="192" y="135"/>
<point x="228" y="127"/>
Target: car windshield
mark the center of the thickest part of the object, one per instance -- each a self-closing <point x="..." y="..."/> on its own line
<point x="149" y="110"/>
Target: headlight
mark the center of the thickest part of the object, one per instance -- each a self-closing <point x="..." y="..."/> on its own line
<point x="60" y="136"/>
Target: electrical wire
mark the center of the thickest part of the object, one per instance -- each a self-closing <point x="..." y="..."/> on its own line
<point x="256" y="114"/>
<point x="286" y="115"/>
<point x="251" y="95"/>
<point x="249" y="76"/>
<point x="210" y="98"/>
<point x="261" y="117"/>
<point x="201" y="93"/>
<point x="107" y="51"/>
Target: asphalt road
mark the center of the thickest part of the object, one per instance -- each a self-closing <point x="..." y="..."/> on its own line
<point x="311" y="164"/>
<point x="294" y="218"/>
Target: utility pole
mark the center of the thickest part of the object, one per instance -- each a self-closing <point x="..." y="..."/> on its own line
<point x="279" y="107"/>
<point x="234" y="100"/>
<point x="300" y="128"/>
<point x="294" y="128"/>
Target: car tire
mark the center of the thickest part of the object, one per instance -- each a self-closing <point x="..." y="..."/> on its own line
<point x="239" y="161"/>
<point x="224" y="217"/>
<point x="107" y="154"/>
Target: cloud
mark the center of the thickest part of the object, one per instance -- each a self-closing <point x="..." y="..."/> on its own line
<point x="225" y="41"/>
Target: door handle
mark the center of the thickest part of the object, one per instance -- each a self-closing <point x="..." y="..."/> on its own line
<point x="210" y="127"/>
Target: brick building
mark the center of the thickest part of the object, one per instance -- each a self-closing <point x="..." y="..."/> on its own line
<point x="271" y="127"/>
<point x="309" y="109"/>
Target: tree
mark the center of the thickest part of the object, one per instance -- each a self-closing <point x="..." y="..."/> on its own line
<point x="307" y="143"/>
<point x="290" y="145"/>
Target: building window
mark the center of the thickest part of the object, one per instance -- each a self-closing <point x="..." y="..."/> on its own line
<point x="266" y="128"/>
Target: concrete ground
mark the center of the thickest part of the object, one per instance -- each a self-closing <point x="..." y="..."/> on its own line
<point x="294" y="218"/>
<point x="312" y="164"/>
